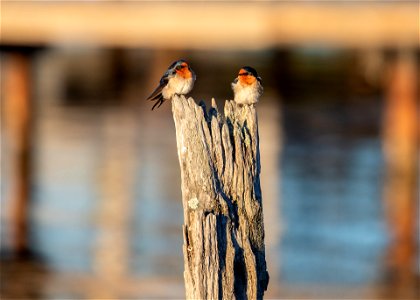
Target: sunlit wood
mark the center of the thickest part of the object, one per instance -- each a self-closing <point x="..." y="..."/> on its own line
<point x="18" y="128"/>
<point x="217" y="25"/>
<point x="219" y="157"/>
<point x="400" y="134"/>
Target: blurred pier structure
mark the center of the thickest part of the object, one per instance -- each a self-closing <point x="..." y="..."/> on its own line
<point x="401" y="132"/>
<point x="270" y="177"/>
<point x="17" y="112"/>
<point x="368" y="27"/>
<point x="211" y="25"/>
<point x="115" y="181"/>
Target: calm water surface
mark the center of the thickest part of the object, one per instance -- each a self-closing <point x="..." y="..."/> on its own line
<point x="107" y="197"/>
<point x="107" y="203"/>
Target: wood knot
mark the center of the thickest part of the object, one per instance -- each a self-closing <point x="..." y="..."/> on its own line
<point x="193" y="203"/>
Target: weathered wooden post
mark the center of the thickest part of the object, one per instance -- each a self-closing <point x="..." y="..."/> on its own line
<point x="224" y="252"/>
<point x="400" y="131"/>
<point x="18" y="121"/>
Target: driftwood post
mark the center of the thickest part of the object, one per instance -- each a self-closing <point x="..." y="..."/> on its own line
<point x="224" y="252"/>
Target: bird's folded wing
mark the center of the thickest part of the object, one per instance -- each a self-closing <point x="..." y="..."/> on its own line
<point x="157" y="92"/>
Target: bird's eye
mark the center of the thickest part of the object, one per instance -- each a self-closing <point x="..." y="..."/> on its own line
<point x="179" y="67"/>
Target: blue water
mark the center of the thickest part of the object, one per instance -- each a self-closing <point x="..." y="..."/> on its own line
<point x="335" y="231"/>
<point x="107" y="193"/>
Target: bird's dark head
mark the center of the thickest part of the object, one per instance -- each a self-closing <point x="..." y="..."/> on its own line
<point x="182" y="68"/>
<point x="248" y="75"/>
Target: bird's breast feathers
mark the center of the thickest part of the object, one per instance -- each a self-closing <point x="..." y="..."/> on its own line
<point x="248" y="93"/>
<point x="177" y="85"/>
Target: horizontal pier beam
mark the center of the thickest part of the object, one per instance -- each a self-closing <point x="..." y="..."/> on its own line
<point x="211" y="25"/>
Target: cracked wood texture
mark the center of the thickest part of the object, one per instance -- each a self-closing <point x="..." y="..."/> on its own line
<point x="224" y="252"/>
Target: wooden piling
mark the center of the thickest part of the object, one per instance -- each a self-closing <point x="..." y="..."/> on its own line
<point x="17" y="106"/>
<point x="224" y="251"/>
<point x="400" y="136"/>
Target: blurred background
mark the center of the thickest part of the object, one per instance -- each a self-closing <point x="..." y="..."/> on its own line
<point x="90" y="182"/>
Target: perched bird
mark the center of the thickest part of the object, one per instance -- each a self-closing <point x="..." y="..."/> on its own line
<point x="247" y="87"/>
<point x="177" y="80"/>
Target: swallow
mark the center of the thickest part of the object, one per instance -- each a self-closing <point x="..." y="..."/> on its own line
<point x="177" y="80"/>
<point x="247" y="87"/>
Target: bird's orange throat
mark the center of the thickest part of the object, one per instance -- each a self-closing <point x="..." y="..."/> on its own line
<point x="247" y="79"/>
<point x="184" y="73"/>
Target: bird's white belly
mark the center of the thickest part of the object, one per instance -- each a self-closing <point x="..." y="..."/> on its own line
<point x="178" y="86"/>
<point x="246" y="95"/>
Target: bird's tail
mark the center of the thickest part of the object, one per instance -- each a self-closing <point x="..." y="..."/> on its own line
<point x="159" y="101"/>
